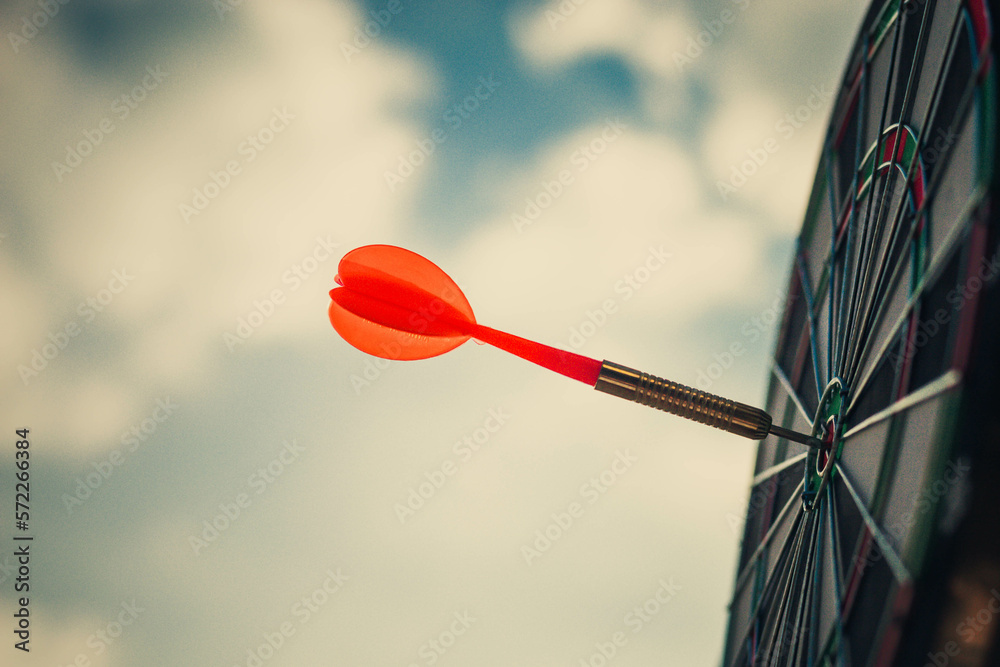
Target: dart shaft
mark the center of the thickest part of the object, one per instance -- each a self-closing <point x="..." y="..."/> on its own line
<point x="683" y="401"/>
<point x="795" y="436"/>
<point x="690" y="403"/>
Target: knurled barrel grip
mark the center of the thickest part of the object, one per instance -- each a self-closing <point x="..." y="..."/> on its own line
<point x="683" y="401"/>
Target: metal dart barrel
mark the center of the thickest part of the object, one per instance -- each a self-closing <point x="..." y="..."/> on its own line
<point x="690" y="403"/>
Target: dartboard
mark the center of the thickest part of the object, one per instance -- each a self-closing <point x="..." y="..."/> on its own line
<point x="880" y="547"/>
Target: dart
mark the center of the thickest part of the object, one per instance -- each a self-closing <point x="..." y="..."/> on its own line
<point x="393" y="303"/>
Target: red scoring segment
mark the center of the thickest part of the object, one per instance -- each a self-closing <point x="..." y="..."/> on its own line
<point x="395" y="304"/>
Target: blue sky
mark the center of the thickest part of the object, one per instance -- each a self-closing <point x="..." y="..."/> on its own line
<point x="212" y="464"/>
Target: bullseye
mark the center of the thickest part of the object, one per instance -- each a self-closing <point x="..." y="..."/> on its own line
<point x="826" y="428"/>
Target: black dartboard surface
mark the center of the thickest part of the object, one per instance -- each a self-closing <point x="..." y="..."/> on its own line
<point x="882" y="548"/>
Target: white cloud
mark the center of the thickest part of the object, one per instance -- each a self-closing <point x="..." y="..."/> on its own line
<point x="645" y="34"/>
<point x="734" y="52"/>
<point x="649" y="37"/>
<point x="321" y="176"/>
<point x="760" y="154"/>
<point x="576" y="251"/>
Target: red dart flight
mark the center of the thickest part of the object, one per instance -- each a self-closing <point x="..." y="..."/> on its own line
<point x="395" y="304"/>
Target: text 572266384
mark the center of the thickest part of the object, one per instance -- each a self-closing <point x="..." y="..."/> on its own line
<point x="22" y="516"/>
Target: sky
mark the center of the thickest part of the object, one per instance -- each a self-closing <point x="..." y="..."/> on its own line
<point x="216" y="478"/>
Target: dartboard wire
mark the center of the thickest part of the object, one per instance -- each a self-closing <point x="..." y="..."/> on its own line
<point x="748" y="569"/>
<point x="865" y="289"/>
<point x="810" y="639"/>
<point x="810" y="646"/>
<point x="908" y="94"/>
<point x="768" y="473"/>
<point x="862" y="291"/>
<point x="791" y="629"/>
<point x="871" y="229"/>
<point x="967" y="93"/>
<point x="949" y="380"/>
<point x="775" y="621"/>
<point x="773" y="602"/>
<point x="928" y="115"/>
<point x="836" y="268"/>
<point x="847" y="270"/>
<point x="754" y="564"/>
<point x="872" y="296"/>
<point x="961" y="109"/>
<point x="836" y="558"/>
<point x="768" y="586"/>
<point x="846" y="211"/>
<point x="807" y="288"/>
<point x="775" y="626"/>
<point x="856" y="285"/>
<point x="893" y="625"/>
<point x="838" y="125"/>
<point x="760" y="623"/>
<point x="870" y="536"/>
<point x="935" y="263"/>
<point x="831" y="338"/>
<point x="826" y="642"/>
<point x="884" y="284"/>
<point x="853" y="276"/>
<point x="928" y="277"/>
<point x="821" y="292"/>
<point x="963" y="334"/>
<point x="792" y="394"/>
<point x="892" y="558"/>
<point x="841" y="272"/>
<point x="804" y="613"/>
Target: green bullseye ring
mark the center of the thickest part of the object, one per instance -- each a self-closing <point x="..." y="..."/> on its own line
<point x="827" y="427"/>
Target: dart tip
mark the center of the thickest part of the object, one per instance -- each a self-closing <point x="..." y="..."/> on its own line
<point x="795" y="436"/>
